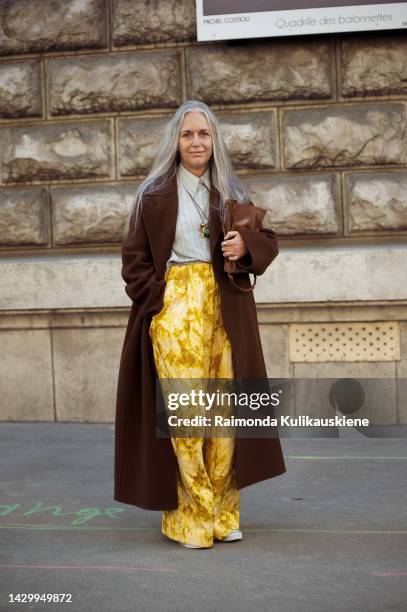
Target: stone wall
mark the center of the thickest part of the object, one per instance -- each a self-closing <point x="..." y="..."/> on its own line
<point x="316" y="126"/>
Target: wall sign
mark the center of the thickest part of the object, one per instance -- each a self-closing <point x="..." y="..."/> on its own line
<point x="231" y="19"/>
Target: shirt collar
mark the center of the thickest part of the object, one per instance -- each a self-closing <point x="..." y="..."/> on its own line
<point x="191" y="180"/>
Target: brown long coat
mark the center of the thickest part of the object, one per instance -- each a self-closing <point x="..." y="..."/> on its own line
<point x="145" y="466"/>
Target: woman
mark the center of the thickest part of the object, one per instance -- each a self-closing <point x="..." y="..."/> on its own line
<point x="188" y="321"/>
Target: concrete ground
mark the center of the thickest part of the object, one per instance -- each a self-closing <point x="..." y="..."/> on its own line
<point x="330" y="534"/>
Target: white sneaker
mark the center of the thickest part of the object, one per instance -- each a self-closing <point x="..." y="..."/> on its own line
<point x="236" y="534"/>
<point x="190" y="545"/>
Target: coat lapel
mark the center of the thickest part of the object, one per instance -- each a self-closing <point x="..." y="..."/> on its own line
<point x="214" y="219"/>
<point x="162" y="211"/>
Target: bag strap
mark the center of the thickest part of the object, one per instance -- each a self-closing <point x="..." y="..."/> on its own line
<point x="242" y="288"/>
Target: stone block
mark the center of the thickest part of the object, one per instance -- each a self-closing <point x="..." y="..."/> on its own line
<point x="23" y="216"/>
<point x="114" y="83"/>
<point x="275" y="349"/>
<point x="374" y="67"/>
<point x="138" y="22"/>
<point x="49" y="151"/>
<point x="26" y="375"/>
<point x="29" y="26"/>
<point x="376" y="201"/>
<point x="20" y="89"/>
<point x="250" y="139"/>
<point x="138" y="140"/>
<point x="351" y="135"/>
<point x="335" y="274"/>
<point x="298" y="204"/>
<point x="260" y="72"/>
<point x="90" y="214"/>
<point x="86" y="363"/>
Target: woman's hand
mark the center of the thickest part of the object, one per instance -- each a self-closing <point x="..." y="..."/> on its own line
<point x="233" y="246"/>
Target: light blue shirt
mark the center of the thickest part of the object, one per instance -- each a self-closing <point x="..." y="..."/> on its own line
<point x="188" y="244"/>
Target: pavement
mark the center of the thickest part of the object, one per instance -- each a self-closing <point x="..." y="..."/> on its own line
<point x="330" y="534"/>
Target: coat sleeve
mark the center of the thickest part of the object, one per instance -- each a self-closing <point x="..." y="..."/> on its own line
<point x="262" y="248"/>
<point x="138" y="271"/>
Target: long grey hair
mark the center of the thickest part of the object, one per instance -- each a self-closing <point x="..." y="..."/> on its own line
<point x="167" y="159"/>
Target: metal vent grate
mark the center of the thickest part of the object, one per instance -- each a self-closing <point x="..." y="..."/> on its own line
<point x="319" y="342"/>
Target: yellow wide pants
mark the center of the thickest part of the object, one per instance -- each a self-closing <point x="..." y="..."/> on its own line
<point x="189" y="341"/>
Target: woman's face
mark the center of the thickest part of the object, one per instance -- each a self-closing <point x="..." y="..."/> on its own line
<point x="195" y="142"/>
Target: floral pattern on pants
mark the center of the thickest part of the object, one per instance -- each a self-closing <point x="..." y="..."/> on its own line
<point x="189" y="342"/>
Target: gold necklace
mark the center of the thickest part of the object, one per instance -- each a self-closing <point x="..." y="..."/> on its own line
<point x="203" y="227"/>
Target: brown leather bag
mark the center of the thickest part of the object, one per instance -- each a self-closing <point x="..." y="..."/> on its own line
<point x="238" y="216"/>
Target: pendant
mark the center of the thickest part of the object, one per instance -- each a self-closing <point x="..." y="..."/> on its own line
<point x="204" y="230"/>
